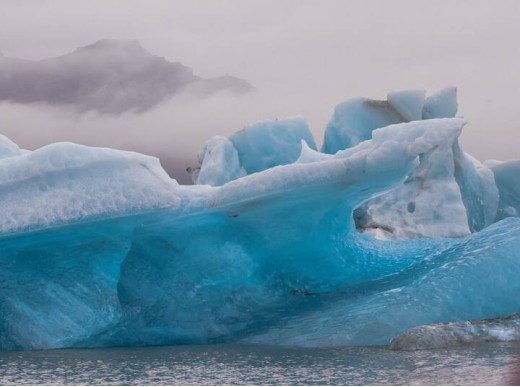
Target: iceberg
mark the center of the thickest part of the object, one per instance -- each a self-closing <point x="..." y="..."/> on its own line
<point x="457" y="280"/>
<point x="428" y="203"/>
<point x="66" y="182"/>
<point x="354" y="120"/>
<point x="507" y="178"/>
<point x="267" y="144"/>
<point x="59" y="286"/>
<point x="408" y="103"/>
<point x="278" y="243"/>
<point x="450" y="194"/>
<point x="219" y="163"/>
<point x="8" y="148"/>
<point x="442" y="104"/>
<point x="479" y="191"/>
<point x="260" y="146"/>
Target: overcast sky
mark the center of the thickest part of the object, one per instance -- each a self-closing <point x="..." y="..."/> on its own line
<point x="303" y="57"/>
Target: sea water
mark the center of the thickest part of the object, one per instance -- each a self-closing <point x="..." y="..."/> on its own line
<point x="492" y="363"/>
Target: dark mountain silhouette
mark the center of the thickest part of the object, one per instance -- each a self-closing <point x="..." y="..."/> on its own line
<point x="110" y="76"/>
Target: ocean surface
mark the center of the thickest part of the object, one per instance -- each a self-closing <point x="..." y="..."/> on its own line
<point x="493" y="363"/>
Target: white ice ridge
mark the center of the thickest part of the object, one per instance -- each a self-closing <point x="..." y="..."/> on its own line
<point x="381" y="162"/>
<point x="447" y="193"/>
<point x="66" y="182"/>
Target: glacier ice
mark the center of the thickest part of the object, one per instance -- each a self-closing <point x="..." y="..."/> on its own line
<point x="219" y="162"/>
<point x="259" y="146"/>
<point x="8" y="148"/>
<point x="442" y="104"/>
<point x="457" y="280"/>
<point x="267" y="144"/>
<point x="66" y="182"/>
<point x="450" y="194"/>
<point x="354" y="120"/>
<point x="479" y="191"/>
<point x="408" y="103"/>
<point x="507" y="178"/>
<point x="60" y="286"/>
<point x="275" y="244"/>
<point x="428" y="203"/>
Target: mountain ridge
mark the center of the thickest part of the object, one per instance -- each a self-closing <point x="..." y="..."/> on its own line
<point x="110" y="76"/>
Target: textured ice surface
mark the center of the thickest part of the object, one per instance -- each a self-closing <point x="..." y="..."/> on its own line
<point x="449" y="194"/>
<point x="507" y="178"/>
<point x="458" y="333"/>
<point x="451" y="280"/>
<point x="219" y="162"/>
<point x="260" y="146"/>
<point x="66" y="182"/>
<point x="59" y="286"/>
<point x="269" y="250"/>
<point x="408" y="103"/>
<point x="477" y="185"/>
<point x="267" y="144"/>
<point x="8" y="148"/>
<point x="429" y="202"/>
<point x="354" y="120"/>
<point x="442" y="104"/>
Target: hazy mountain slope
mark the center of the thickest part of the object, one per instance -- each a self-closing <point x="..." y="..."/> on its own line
<point x="110" y="76"/>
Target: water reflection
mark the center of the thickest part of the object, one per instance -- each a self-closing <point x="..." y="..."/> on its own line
<point x="237" y="364"/>
<point x="514" y="374"/>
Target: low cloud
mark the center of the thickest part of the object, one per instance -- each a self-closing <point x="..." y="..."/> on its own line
<point x="109" y="76"/>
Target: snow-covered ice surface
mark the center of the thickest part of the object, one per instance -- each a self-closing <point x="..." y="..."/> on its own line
<point x="66" y="182"/>
<point x="278" y="244"/>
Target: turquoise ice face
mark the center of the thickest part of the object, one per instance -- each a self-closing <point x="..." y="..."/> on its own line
<point x="261" y="273"/>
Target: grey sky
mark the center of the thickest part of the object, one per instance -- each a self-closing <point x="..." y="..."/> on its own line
<point x="304" y="57"/>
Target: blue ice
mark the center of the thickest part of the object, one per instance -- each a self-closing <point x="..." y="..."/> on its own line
<point x="278" y="244"/>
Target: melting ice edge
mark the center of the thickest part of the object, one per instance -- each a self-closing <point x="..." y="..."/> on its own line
<point x="390" y="226"/>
